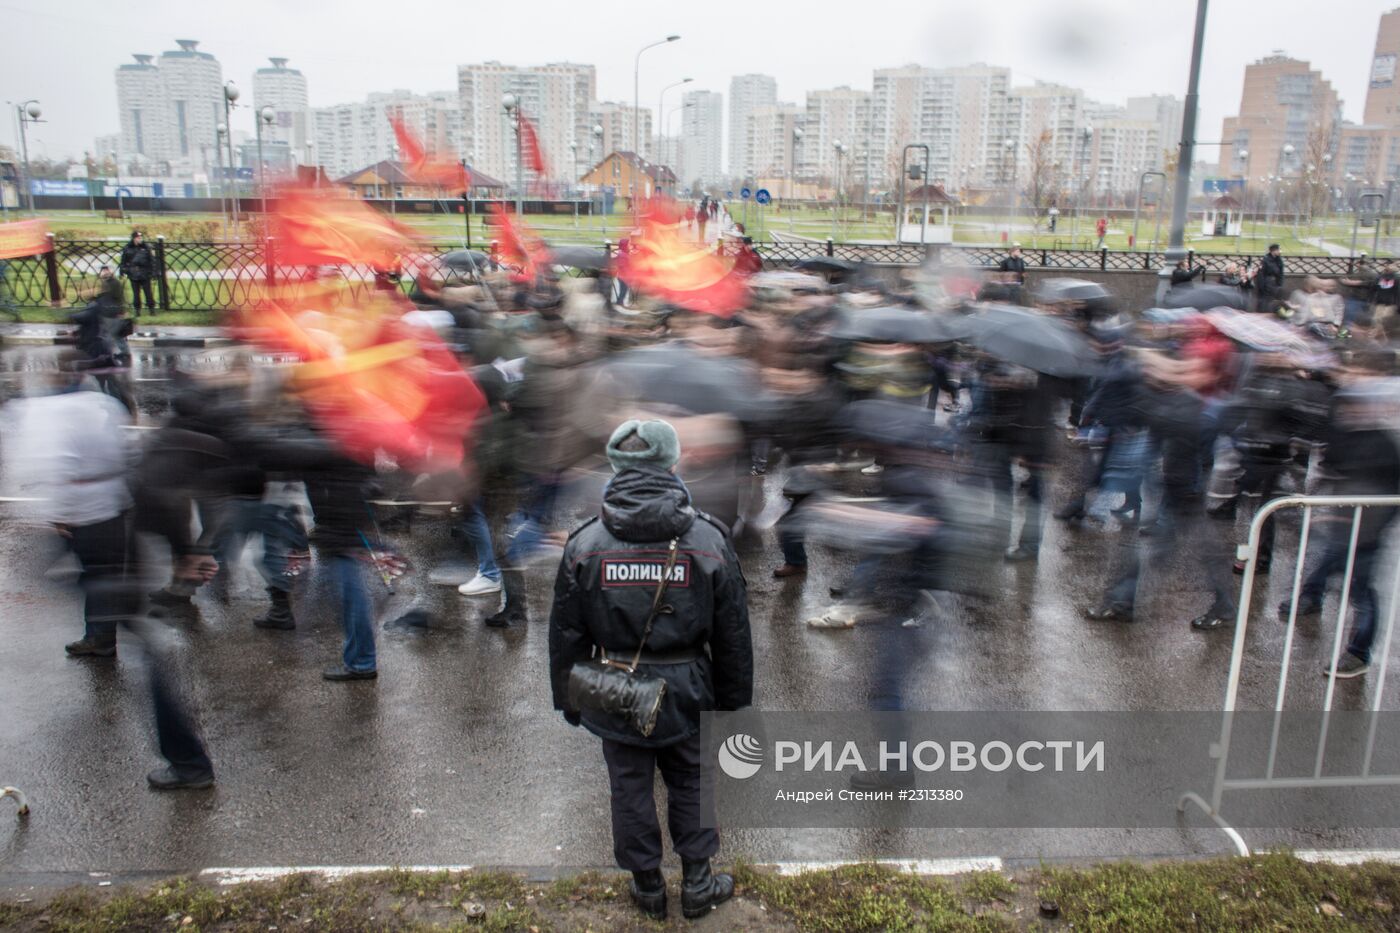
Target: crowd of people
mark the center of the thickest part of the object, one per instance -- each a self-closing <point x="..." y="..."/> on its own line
<point x="920" y="420"/>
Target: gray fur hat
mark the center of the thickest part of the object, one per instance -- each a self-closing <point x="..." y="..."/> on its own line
<point x="663" y="447"/>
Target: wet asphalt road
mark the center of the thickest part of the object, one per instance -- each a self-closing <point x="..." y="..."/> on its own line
<point x="454" y="756"/>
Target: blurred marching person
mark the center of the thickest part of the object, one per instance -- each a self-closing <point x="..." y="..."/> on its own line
<point x="687" y="622"/>
<point x="102" y="329"/>
<point x="1387" y="292"/>
<point x="1110" y="414"/>
<point x="1315" y="303"/>
<point x="547" y="408"/>
<point x="1010" y="419"/>
<point x="1174" y="407"/>
<point x="1360" y="459"/>
<point x="137" y="266"/>
<point x="702" y="217"/>
<point x="1359" y="292"/>
<point x="68" y="451"/>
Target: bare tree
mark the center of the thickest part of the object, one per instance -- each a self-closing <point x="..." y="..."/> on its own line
<point x="1042" y="185"/>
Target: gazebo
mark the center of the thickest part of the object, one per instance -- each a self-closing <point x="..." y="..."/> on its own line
<point x="1224" y="217"/>
<point x="914" y="226"/>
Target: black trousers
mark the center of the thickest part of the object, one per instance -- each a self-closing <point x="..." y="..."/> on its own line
<point x="111" y="591"/>
<point x="137" y="287"/>
<point x="690" y="802"/>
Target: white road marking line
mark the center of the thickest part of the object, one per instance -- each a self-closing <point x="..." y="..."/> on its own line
<point x="1348" y="856"/>
<point x="935" y="866"/>
<point x="230" y="876"/>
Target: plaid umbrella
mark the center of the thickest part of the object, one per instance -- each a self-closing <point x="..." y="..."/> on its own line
<point x="1260" y="332"/>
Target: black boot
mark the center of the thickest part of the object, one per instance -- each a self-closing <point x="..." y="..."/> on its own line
<point x="702" y="890"/>
<point x="279" y="616"/>
<point x="648" y="890"/>
<point x="514" y="611"/>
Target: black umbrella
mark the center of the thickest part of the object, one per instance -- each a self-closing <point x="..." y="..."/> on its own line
<point x="898" y="325"/>
<point x="680" y="375"/>
<point x="579" y="257"/>
<point x="1035" y="341"/>
<point x="1065" y="289"/>
<point x="1204" y="297"/>
<point x="893" y="424"/>
<point x="465" y="262"/>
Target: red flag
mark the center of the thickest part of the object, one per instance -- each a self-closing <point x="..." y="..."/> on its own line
<point x="24" y="238"/>
<point x="419" y="167"/>
<point x="311" y="229"/>
<point x="679" y="272"/>
<point x="518" y="246"/>
<point x="530" y="143"/>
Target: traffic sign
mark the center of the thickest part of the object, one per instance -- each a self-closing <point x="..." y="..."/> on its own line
<point x="745" y="193"/>
<point x="124" y="192"/>
<point x="763" y="197"/>
<point x="729" y="195"/>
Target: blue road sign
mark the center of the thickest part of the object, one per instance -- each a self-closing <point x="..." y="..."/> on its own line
<point x="745" y="193"/>
<point x="124" y="192"/>
<point x="762" y="196"/>
<point x="729" y="195"/>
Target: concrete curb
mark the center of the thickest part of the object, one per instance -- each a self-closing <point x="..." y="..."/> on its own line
<point x="138" y="342"/>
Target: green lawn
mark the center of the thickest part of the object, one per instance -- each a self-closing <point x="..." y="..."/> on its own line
<point x="846" y="224"/>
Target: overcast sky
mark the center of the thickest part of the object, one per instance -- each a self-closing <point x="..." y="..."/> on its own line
<point x="63" y="52"/>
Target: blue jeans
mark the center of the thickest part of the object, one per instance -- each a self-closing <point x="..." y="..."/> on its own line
<point x="527" y="525"/>
<point x="1363" y="594"/>
<point x="479" y="535"/>
<point x="349" y="580"/>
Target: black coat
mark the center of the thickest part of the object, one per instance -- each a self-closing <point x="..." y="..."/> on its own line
<point x="1270" y="278"/>
<point x="138" y="263"/>
<point x="1014" y="264"/>
<point x="597" y="604"/>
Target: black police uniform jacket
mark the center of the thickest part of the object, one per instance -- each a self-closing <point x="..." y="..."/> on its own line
<point x="604" y="591"/>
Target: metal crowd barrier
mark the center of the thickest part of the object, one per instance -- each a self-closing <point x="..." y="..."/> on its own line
<point x="1220" y="751"/>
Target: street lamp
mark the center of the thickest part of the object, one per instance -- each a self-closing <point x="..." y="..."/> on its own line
<point x="265" y="117"/>
<point x="28" y="112"/>
<point x="231" y="95"/>
<point x="311" y="161"/>
<point x="512" y="108"/>
<point x="117" y="168"/>
<point x="1009" y="146"/>
<point x="595" y="138"/>
<point x="661" y="108"/>
<point x="797" y="134"/>
<point x="637" y="102"/>
<point x="840" y="148"/>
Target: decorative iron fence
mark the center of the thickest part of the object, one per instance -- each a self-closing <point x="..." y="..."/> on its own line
<point x="226" y="276"/>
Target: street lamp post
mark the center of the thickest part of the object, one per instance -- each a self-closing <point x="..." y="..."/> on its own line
<point x="1243" y="156"/>
<point x="219" y="132"/>
<point x="265" y="116"/>
<point x="231" y="94"/>
<point x="28" y="112"/>
<point x="637" y="106"/>
<point x="512" y="108"/>
<point x="1009" y="145"/>
<point x="1086" y="136"/>
<point x="836" y="190"/>
<point x="311" y="162"/>
<point x="797" y="134"/>
<point x="595" y="139"/>
<point x="661" y="109"/>
<point x="117" y="169"/>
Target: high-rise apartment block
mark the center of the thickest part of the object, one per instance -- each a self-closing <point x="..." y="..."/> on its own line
<point x="351" y="136"/>
<point x="702" y="129"/>
<point x="1287" y="110"/>
<point x="747" y="93"/>
<point x="283" y="90"/>
<point x="169" y="108"/>
<point x="556" y="98"/>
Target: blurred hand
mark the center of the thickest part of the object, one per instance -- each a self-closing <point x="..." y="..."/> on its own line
<point x="200" y="567"/>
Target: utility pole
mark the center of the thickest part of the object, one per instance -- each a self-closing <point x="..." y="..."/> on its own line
<point x="1176" y="245"/>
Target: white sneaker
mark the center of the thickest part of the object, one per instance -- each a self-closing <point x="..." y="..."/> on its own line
<point x="840" y="615"/>
<point x="873" y="470"/>
<point x="479" y="586"/>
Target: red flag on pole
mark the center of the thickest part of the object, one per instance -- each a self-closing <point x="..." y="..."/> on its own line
<point x="530" y="143"/>
<point x="420" y="167"/>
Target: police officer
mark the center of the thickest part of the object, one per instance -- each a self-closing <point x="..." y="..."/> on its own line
<point x="700" y="645"/>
